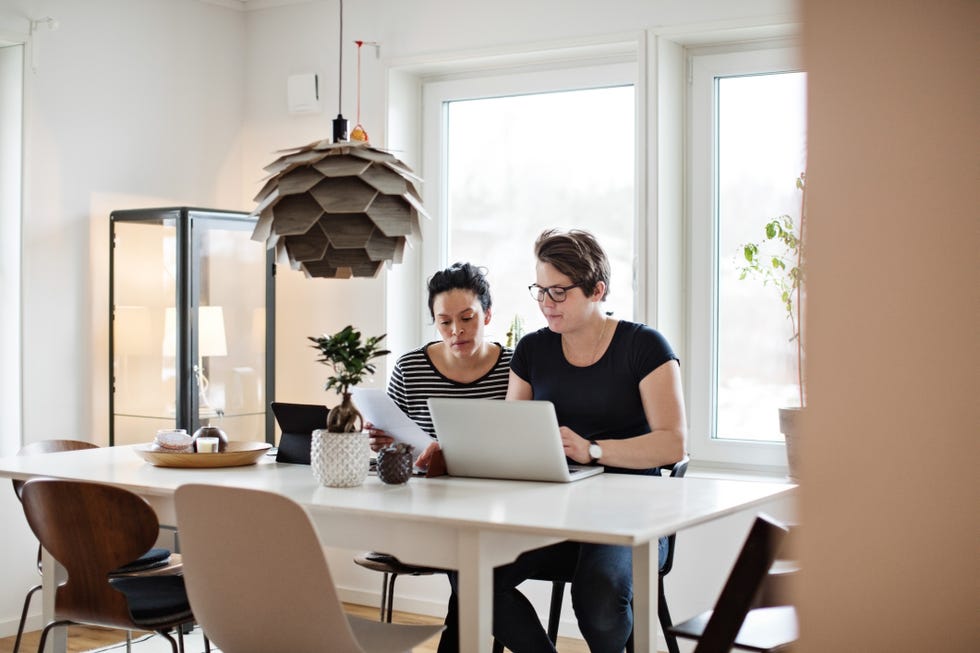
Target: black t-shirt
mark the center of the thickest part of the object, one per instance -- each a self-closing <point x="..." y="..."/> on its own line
<point x="600" y="401"/>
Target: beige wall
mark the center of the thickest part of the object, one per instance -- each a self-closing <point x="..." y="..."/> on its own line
<point x="889" y="495"/>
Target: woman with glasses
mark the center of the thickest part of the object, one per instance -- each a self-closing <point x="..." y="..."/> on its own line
<point x="616" y="387"/>
<point x="463" y="364"/>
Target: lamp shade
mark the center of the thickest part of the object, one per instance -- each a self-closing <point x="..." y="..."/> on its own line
<point x="211" y="331"/>
<point x="338" y="210"/>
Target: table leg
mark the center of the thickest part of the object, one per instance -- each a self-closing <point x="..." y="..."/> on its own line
<point x="54" y="574"/>
<point x="645" y="569"/>
<point x="475" y="593"/>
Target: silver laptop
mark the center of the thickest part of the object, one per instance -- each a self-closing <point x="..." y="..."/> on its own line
<point x="515" y="440"/>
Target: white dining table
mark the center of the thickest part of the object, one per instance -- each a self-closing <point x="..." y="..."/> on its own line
<point x="472" y="525"/>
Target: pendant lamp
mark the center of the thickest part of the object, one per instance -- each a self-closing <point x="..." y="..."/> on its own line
<point x="338" y="209"/>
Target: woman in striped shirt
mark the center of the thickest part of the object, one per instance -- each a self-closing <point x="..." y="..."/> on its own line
<point x="462" y="364"/>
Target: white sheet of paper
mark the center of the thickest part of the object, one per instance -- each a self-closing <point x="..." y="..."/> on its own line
<point x="378" y="408"/>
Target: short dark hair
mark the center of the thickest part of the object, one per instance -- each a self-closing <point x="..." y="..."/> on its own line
<point x="460" y="276"/>
<point x="577" y="254"/>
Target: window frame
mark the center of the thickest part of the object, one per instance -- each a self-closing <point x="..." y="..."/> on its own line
<point x="14" y="134"/>
<point x="705" y="64"/>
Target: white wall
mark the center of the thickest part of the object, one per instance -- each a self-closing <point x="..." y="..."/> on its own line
<point x="131" y="103"/>
<point x="181" y="102"/>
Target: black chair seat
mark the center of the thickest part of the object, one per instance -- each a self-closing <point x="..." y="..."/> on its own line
<point x="150" y="560"/>
<point x="764" y="629"/>
<point x="389" y="564"/>
<point x="155" y="600"/>
<point x="392" y="568"/>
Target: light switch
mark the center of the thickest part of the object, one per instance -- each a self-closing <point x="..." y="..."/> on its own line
<point x="303" y="93"/>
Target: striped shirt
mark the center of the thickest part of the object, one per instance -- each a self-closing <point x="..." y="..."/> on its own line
<point x="415" y="379"/>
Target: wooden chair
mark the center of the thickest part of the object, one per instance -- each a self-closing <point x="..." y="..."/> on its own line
<point x="677" y="470"/>
<point x="287" y="602"/>
<point x="152" y="559"/>
<point x="93" y="530"/>
<point x="734" y="622"/>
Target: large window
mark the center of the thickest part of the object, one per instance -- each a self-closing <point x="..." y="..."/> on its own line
<point x="527" y="152"/>
<point x="748" y="146"/>
<point x="590" y="146"/>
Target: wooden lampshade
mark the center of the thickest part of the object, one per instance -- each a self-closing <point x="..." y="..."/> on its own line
<point x="338" y="210"/>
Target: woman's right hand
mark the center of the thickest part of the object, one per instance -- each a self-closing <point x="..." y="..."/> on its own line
<point x="377" y="438"/>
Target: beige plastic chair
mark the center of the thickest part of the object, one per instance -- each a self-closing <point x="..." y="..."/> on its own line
<point x="258" y="580"/>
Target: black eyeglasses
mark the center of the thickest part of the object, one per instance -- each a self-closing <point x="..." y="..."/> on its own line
<point x="557" y="293"/>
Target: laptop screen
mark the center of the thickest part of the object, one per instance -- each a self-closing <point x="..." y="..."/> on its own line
<point x="517" y="440"/>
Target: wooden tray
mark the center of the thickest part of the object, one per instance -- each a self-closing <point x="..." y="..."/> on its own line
<point x="236" y="455"/>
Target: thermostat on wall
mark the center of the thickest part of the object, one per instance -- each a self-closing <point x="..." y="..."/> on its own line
<point x="303" y="93"/>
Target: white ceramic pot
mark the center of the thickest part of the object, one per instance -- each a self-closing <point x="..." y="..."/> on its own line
<point x="340" y="459"/>
<point x="790" y="425"/>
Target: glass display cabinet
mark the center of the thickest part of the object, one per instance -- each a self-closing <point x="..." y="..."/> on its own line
<point x="192" y="320"/>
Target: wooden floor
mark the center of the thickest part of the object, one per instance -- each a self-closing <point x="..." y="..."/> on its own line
<point x="84" y="638"/>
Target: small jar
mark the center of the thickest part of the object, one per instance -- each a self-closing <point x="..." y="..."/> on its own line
<point x="212" y="432"/>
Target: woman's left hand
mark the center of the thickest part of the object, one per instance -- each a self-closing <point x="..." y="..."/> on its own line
<point x="422" y="462"/>
<point x="576" y="447"/>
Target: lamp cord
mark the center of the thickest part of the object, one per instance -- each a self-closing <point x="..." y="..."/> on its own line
<point x="359" y="44"/>
<point x="340" y="71"/>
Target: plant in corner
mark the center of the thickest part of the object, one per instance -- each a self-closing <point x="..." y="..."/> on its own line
<point x="778" y="260"/>
<point x="350" y="357"/>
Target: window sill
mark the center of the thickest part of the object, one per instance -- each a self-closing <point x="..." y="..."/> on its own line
<point x="737" y="472"/>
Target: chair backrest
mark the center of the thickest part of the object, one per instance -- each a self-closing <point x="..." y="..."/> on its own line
<point x="737" y="596"/>
<point x="53" y="446"/>
<point x="256" y="574"/>
<point x="50" y="446"/>
<point x="778" y="588"/>
<point x="677" y="470"/>
<point x="92" y="530"/>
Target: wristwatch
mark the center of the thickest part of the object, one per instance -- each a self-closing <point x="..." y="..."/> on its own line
<point x="595" y="451"/>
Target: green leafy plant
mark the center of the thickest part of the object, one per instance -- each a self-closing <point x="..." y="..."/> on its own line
<point x="515" y="331"/>
<point x="349" y="356"/>
<point x="777" y="260"/>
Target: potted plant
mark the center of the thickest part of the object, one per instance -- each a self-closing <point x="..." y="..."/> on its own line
<point x="777" y="260"/>
<point x="340" y="454"/>
<point x="350" y="359"/>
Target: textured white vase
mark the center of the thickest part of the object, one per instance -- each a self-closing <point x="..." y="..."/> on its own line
<point x="340" y="459"/>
